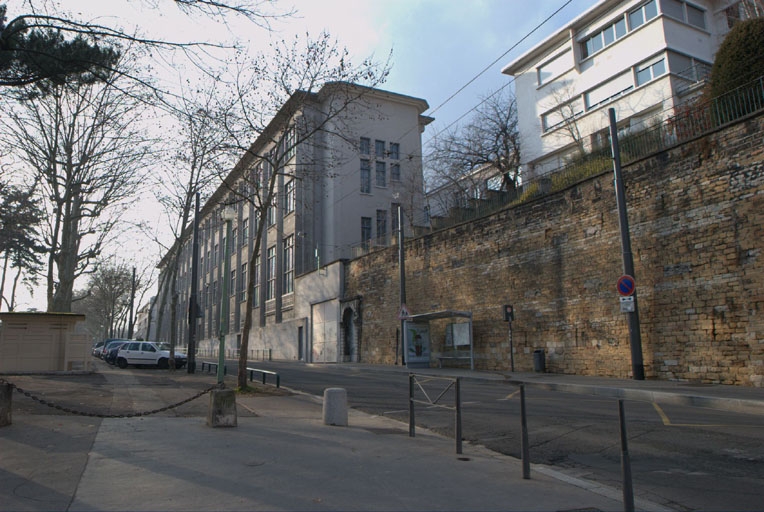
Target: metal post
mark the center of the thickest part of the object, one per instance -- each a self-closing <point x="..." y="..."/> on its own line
<point x="228" y="215"/>
<point x="628" y="491"/>
<point x="193" y="304"/>
<point x="402" y="265"/>
<point x="458" y="426"/>
<point x="635" y="338"/>
<point x="524" y="436"/>
<point x="132" y="305"/>
<point x="412" y="422"/>
<point x="511" y="349"/>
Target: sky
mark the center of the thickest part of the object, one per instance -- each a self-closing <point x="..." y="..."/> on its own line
<point x="447" y="52"/>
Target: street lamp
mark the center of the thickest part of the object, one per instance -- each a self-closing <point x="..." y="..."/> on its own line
<point x="228" y="214"/>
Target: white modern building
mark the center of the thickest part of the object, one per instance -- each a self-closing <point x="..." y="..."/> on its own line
<point x="642" y="58"/>
<point x="344" y="159"/>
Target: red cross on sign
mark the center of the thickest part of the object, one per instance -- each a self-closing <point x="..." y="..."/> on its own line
<point x="626" y="286"/>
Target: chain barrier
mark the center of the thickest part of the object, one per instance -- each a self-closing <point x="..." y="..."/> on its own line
<point x="97" y="415"/>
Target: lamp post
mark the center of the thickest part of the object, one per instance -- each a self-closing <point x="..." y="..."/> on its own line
<point x="227" y="215"/>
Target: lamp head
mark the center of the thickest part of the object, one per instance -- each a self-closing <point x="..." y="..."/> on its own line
<point x="228" y="213"/>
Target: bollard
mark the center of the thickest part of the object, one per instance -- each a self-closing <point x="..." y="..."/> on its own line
<point x="222" y="411"/>
<point x="6" y="400"/>
<point x="335" y="407"/>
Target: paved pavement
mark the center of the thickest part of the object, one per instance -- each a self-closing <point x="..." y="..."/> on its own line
<point x="280" y="456"/>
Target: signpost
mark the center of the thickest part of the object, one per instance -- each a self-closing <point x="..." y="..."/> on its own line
<point x="509" y="315"/>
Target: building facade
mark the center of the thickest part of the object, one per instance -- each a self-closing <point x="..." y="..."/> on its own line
<point x="338" y="164"/>
<point x="642" y="58"/>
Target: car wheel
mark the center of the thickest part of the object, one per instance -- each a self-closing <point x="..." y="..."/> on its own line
<point x="163" y="364"/>
<point x="122" y="362"/>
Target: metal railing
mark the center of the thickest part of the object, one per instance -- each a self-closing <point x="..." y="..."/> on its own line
<point x="690" y="121"/>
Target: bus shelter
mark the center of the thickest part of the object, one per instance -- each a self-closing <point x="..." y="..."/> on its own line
<point x="457" y="339"/>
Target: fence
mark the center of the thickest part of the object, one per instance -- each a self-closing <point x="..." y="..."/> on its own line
<point x="690" y="121"/>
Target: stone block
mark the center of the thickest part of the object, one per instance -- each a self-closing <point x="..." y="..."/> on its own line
<point x="335" y="407"/>
<point x="222" y="411"/>
<point x="6" y="400"/>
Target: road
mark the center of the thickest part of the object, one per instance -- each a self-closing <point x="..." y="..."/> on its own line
<point x="686" y="458"/>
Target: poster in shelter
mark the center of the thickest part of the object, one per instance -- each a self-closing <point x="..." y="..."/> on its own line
<point x="417" y="344"/>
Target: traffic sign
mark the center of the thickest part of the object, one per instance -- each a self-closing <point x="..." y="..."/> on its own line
<point x="404" y="314"/>
<point x="626" y="286"/>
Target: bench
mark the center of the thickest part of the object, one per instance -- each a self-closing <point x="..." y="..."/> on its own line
<point x="264" y="374"/>
<point x="453" y="355"/>
<point x="210" y="364"/>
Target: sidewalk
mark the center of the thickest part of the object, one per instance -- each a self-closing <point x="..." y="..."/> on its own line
<point x="280" y="457"/>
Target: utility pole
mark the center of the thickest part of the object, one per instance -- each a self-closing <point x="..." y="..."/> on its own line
<point x="635" y="338"/>
<point x="132" y="304"/>
<point x="193" y="304"/>
<point x="402" y="265"/>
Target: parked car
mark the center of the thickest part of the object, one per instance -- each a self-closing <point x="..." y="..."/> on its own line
<point x="109" y="345"/>
<point x="111" y="355"/>
<point x="148" y="353"/>
<point x="97" y="348"/>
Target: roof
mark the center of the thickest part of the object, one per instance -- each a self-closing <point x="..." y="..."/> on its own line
<point x="560" y="36"/>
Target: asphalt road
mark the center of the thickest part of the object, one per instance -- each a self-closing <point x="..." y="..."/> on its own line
<point x="687" y="458"/>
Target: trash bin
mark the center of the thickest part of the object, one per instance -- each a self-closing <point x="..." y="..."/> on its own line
<point x="539" y="360"/>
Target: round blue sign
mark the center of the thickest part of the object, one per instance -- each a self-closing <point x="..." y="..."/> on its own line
<point x="626" y="286"/>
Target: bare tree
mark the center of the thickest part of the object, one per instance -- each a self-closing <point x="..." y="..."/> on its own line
<point x="20" y="247"/>
<point x="199" y="155"/>
<point x="105" y="301"/>
<point x="83" y="146"/>
<point x="276" y="96"/>
<point x="460" y="161"/>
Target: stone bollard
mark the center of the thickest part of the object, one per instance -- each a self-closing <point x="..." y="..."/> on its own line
<point x="336" y="407"/>
<point x="222" y="411"/>
<point x="6" y="400"/>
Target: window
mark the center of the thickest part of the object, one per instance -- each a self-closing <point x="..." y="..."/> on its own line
<point x="554" y="67"/>
<point x="215" y="256"/>
<point x="245" y="231"/>
<point x="696" y="16"/>
<point x="365" y="177"/>
<point x="381" y="174"/>
<point x="642" y="15"/>
<point x="365" y="146"/>
<point x="647" y="72"/>
<point x="609" y="90"/>
<point x="381" y="225"/>
<point x="685" y="12"/>
<point x="395" y="150"/>
<point x="256" y="284"/>
<point x="394" y="215"/>
<point x="288" y="264"/>
<point x="395" y="172"/>
<point x="365" y="232"/>
<point x="271" y="214"/>
<point x="379" y="148"/>
<point x="234" y="237"/>
<point x="242" y="290"/>
<point x="289" y="197"/>
<point x="290" y="144"/>
<point x="270" y="290"/>
<point x="594" y="43"/>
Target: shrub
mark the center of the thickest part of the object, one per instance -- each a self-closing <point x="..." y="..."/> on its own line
<point x="740" y="58"/>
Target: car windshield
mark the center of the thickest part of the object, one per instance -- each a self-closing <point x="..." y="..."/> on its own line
<point x="163" y="346"/>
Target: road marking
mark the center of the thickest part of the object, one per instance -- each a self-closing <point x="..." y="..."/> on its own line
<point x="667" y="421"/>
<point x="509" y="396"/>
<point x="664" y="418"/>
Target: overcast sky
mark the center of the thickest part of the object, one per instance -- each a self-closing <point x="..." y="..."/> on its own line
<point x="438" y="46"/>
